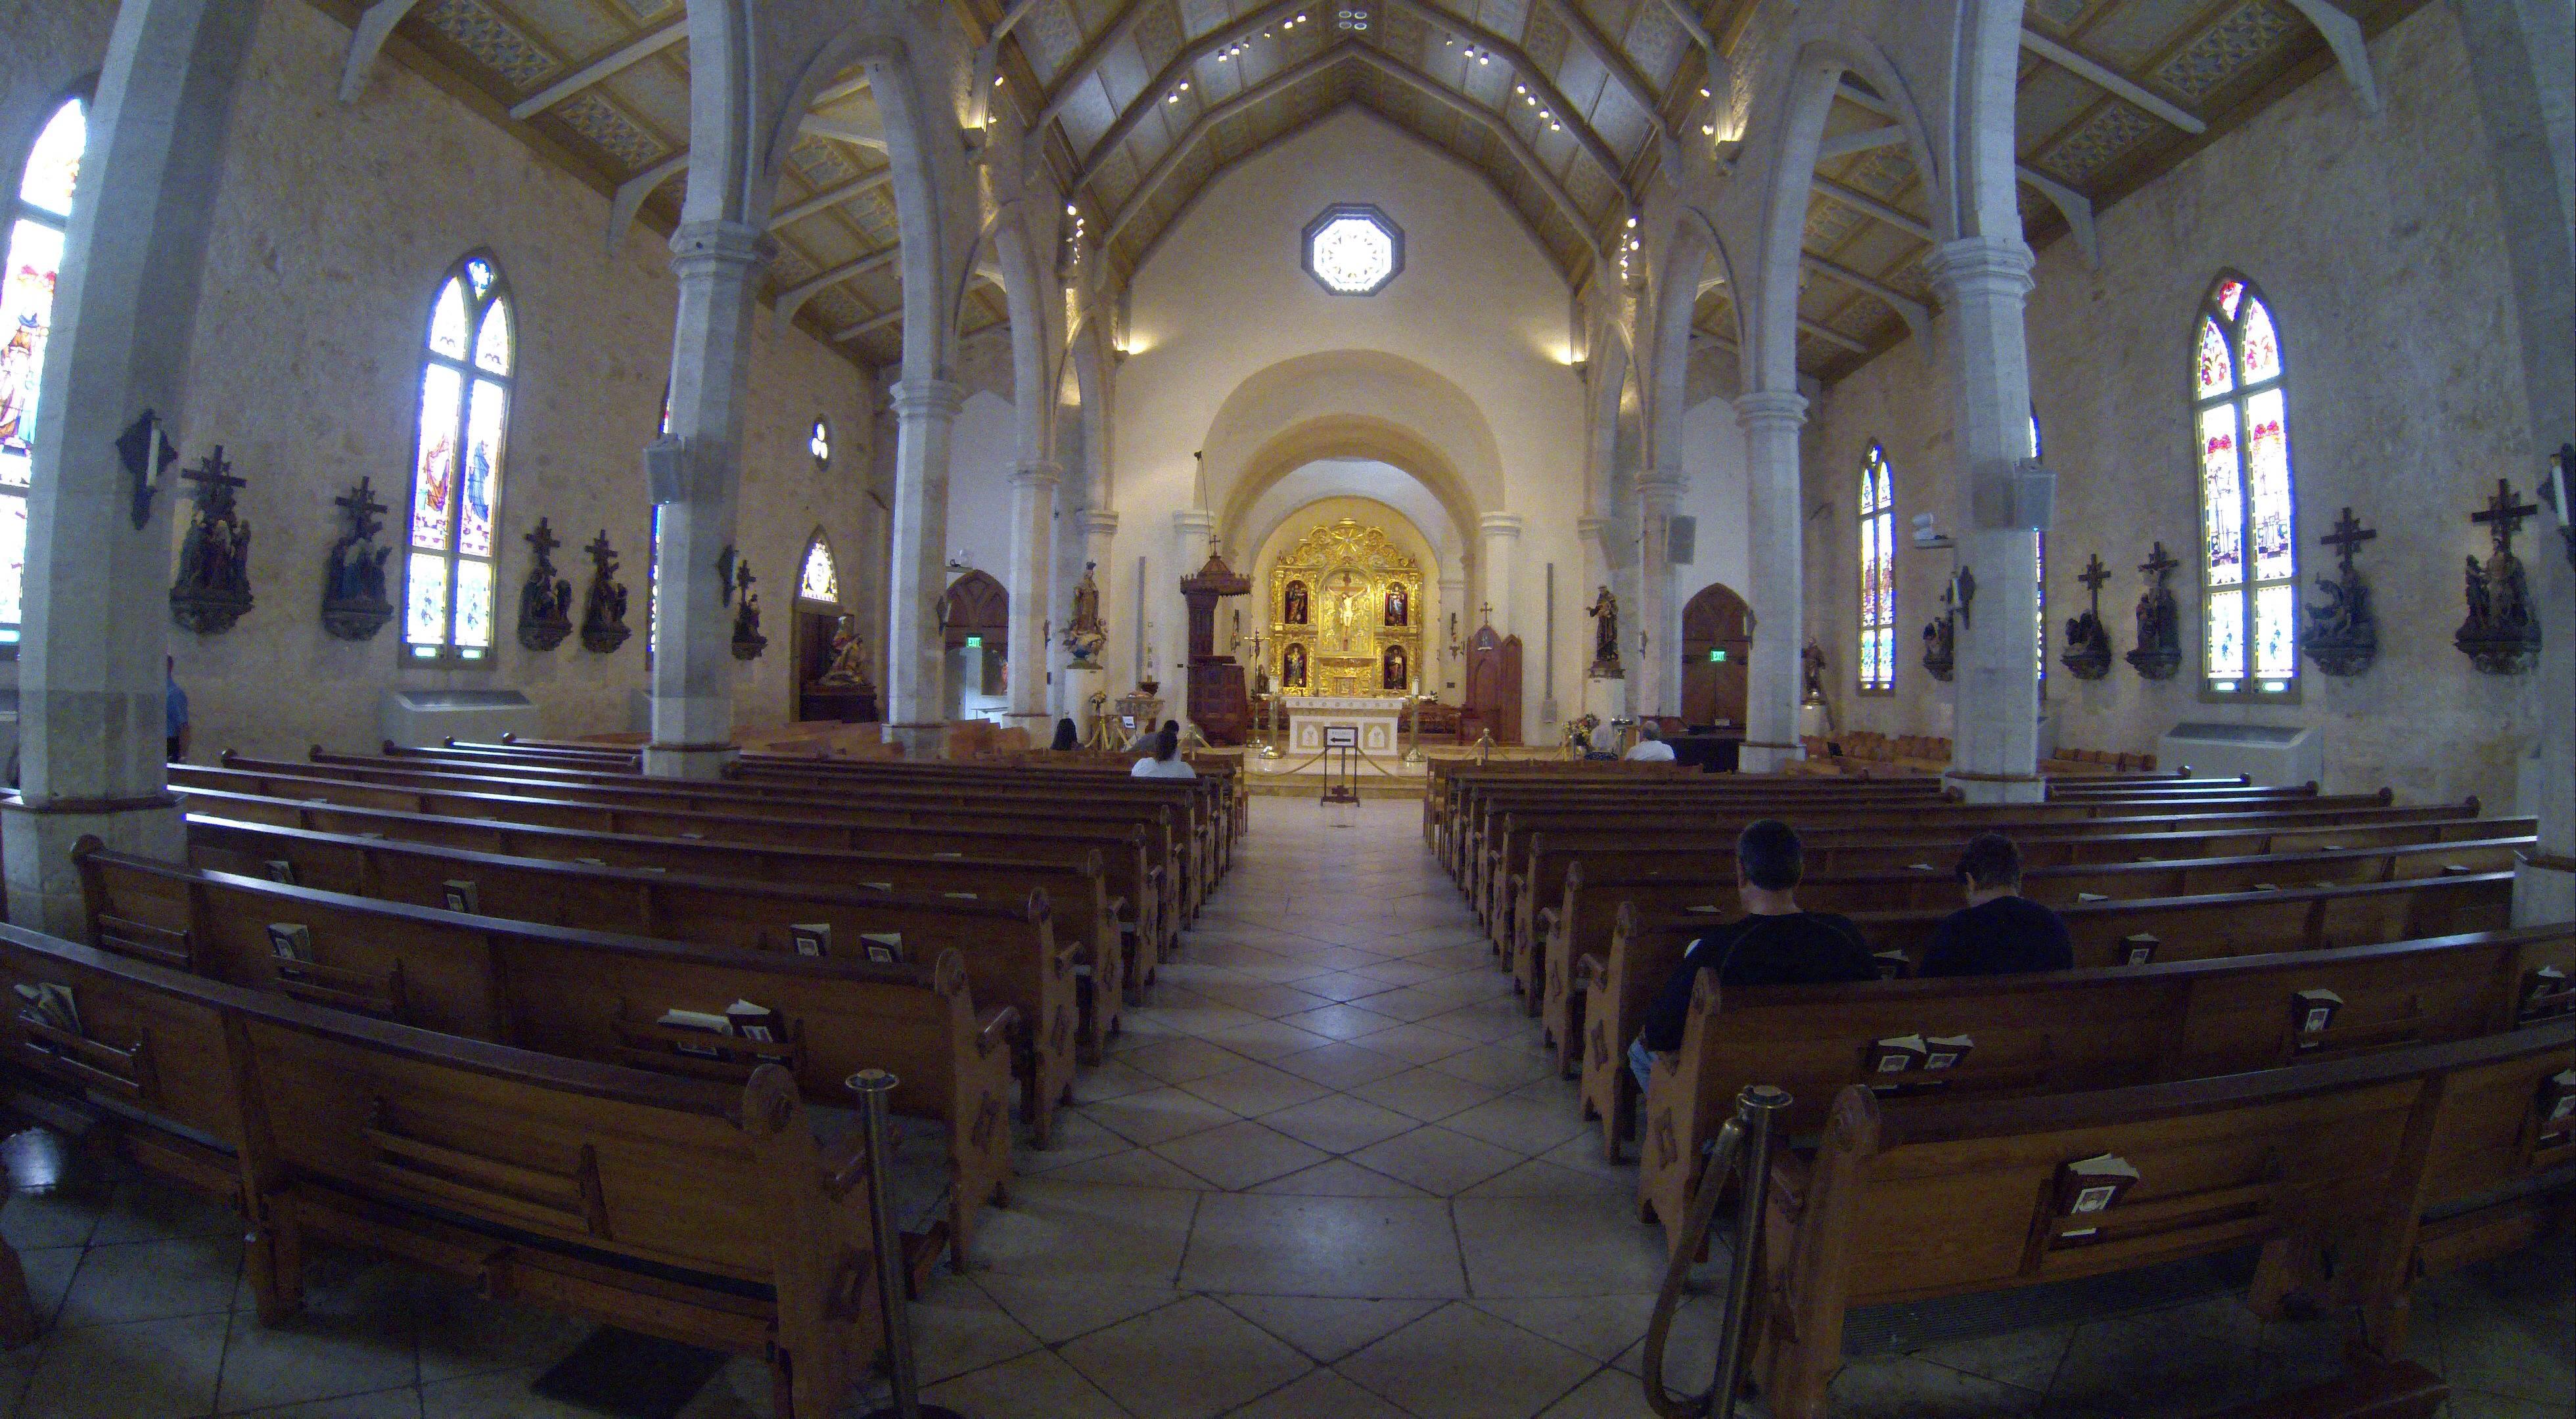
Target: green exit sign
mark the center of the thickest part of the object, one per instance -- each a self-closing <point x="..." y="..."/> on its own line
<point x="974" y="642"/>
<point x="1717" y="657"/>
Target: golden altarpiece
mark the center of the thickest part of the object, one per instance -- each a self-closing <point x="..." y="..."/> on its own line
<point x="1345" y="614"/>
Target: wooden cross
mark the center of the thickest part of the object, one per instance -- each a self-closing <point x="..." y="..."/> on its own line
<point x="2503" y="516"/>
<point x="2158" y="563"/>
<point x="545" y="542"/>
<point x="2347" y="537"/>
<point x="361" y="505"/>
<point x="1485" y="612"/>
<point x="601" y="554"/>
<point x="215" y="481"/>
<point x="2095" y="577"/>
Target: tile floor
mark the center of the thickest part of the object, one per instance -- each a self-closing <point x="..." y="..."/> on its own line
<point x="1325" y="1176"/>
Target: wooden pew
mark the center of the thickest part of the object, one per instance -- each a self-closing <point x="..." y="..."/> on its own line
<point x="1124" y="854"/>
<point x="1579" y="928"/>
<point x="1905" y="1202"/>
<point x="594" y="996"/>
<point x="412" y="857"/>
<point x="2057" y="1031"/>
<point x="698" y="1211"/>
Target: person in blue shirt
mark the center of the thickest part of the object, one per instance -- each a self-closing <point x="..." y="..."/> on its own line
<point x="2000" y="932"/>
<point x="174" y="709"/>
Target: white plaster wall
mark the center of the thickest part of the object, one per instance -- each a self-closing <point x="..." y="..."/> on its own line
<point x="333" y="228"/>
<point x="2379" y="244"/>
<point x="1717" y="494"/>
<point x="983" y="453"/>
<point x="1225" y="297"/>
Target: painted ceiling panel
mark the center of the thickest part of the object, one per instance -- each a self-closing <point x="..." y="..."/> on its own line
<point x="2127" y="33"/>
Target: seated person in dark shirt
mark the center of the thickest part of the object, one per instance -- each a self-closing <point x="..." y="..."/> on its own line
<point x="1773" y="943"/>
<point x="2001" y="932"/>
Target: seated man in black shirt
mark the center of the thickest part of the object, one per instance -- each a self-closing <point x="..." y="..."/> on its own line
<point x="1773" y="943"/>
<point x="2001" y="932"/>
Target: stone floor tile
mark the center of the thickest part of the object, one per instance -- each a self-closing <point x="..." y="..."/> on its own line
<point x="1436" y="1160"/>
<point x="1327" y="1328"/>
<point x="2145" y="1367"/>
<point x="1322" y="1394"/>
<point x="403" y="1403"/>
<point x="1039" y="1385"/>
<point x="1267" y="1040"/>
<point x="1341" y="1065"/>
<point x="1130" y="1236"/>
<point x="150" y="1368"/>
<point x="1498" y="1066"/>
<point x="61" y="1217"/>
<point x="1189" y="1360"/>
<point x="1602" y="1327"/>
<point x="1057" y="1311"/>
<point x="1178" y="1061"/>
<point x="1255" y="1089"/>
<point x="1137" y="1167"/>
<point x="1158" y="1116"/>
<point x="2026" y="1359"/>
<point x="1902" y="1387"/>
<point x="316" y="1354"/>
<point x="1339" y="1178"/>
<point x="1417" y="1044"/>
<point x="1549" y="1246"/>
<point x="1610" y="1394"/>
<point x="150" y="1210"/>
<point x="1268" y="1000"/>
<point x="1341" y="1022"/>
<point x="1241" y="1154"/>
<point x="2518" y="1353"/>
<point x="1536" y="1178"/>
<point x="1526" y="1125"/>
<point x="1347" y="988"/>
<point x="1110" y="1079"/>
<point x="2471" y="1404"/>
<point x="1410" y="1003"/>
<point x="1424" y="1094"/>
<point x="958" y="1328"/>
<point x="1079" y="1137"/>
<point x="1262" y="1244"/>
<point x="135" y="1281"/>
<point x="1460" y="1363"/>
<point x="462" y="1332"/>
<point x="1339" y="1123"/>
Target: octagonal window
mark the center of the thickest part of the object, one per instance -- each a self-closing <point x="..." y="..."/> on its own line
<point x="1353" y="249"/>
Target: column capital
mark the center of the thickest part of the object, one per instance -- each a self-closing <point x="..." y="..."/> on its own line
<point x="1040" y="474"/>
<point x="926" y="398"/>
<point x="1591" y="529"/>
<point x="1982" y="265"/>
<point x="1770" y="409"/>
<point x="1500" y="524"/>
<point x="721" y="243"/>
<point x="1194" y="520"/>
<point x="1659" y="492"/>
<point x="1097" y="521"/>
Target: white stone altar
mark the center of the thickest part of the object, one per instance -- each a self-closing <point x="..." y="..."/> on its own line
<point x="1376" y="717"/>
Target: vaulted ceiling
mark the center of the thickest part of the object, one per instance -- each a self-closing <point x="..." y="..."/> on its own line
<point x="1557" y="103"/>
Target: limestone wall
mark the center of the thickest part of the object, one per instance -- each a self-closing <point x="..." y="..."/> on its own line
<point x="2379" y="245"/>
<point x="334" y="227"/>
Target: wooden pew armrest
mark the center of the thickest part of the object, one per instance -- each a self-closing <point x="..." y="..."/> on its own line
<point x="1000" y="1025"/>
<point x="1590" y="972"/>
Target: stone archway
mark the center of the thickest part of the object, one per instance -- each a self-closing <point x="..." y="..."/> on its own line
<point x="975" y="636"/>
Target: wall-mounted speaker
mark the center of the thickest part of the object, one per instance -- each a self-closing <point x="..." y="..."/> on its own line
<point x="1681" y="539"/>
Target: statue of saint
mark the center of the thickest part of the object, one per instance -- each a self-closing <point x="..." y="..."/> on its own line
<point x="1605" y="633"/>
<point x="1395" y="675"/>
<point x="1812" y="661"/>
<point x="1396" y="609"/>
<point x="1293" y="609"/>
<point x="1292" y="668"/>
<point x="1087" y="633"/>
<point x="849" y="669"/>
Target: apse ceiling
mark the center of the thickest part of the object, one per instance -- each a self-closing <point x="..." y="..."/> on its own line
<point x="1556" y="103"/>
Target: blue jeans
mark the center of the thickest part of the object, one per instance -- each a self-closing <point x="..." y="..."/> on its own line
<point x="1641" y="1060"/>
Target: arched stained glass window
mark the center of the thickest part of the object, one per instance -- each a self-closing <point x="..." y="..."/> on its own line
<point x="819" y="580"/>
<point x="43" y="212"/>
<point x="462" y="442"/>
<point x="819" y="444"/>
<point x="653" y="558"/>
<point x="2039" y="572"/>
<point x="1877" y="574"/>
<point x="2248" y="499"/>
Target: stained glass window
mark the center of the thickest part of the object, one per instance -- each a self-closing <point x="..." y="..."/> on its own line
<point x="819" y="581"/>
<point x="1877" y="574"/>
<point x="2248" y="497"/>
<point x="457" y="458"/>
<point x="35" y="258"/>
<point x="819" y="444"/>
<point x="1353" y="250"/>
<point x="653" y="561"/>
<point x="2039" y="575"/>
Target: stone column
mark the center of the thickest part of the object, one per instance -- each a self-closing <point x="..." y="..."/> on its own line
<point x="1501" y="532"/>
<point x="1775" y="566"/>
<point x="1650" y="668"/>
<point x="916" y="575"/>
<point x="1032" y="588"/>
<point x="1982" y="282"/>
<point x="1099" y="533"/>
<point x="97" y="614"/>
<point x="719" y="265"/>
<point x="1193" y="532"/>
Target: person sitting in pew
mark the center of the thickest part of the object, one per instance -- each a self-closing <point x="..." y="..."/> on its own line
<point x="1166" y="761"/>
<point x="1773" y="943"/>
<point x="2000" y="932"/>
<point x="1066" y="737"/>
<point x="1650" y="747"/>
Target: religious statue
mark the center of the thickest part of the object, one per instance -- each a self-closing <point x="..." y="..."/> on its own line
<point x="1087" y="633"/>
<point x="2343" y="634"/>
<point x="1811" y="661"/>
<point x="2500" y="636"/>
<point x="1292" y="668"/>
<point x="1395" y="674"/>
<point x="1940" y="638"/>
<point x="748" y="642"/>
<point x="1293" y="608"/>
<point x="213" y="589"/>
<point x="1397" y="611"/>
<point x="2088" y="644"/>
<point x="545" y="600"/>
<point x="603" y="610"/>
<point x="354" y="607"/>
<point x="849" y="667"/>
<point x="2159" y="651"/>
<point x="1605" y="637"/>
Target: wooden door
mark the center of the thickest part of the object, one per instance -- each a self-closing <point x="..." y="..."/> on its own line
<point x="1714" y="651"/>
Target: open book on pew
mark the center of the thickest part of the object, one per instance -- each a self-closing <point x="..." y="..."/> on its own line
<point x="2557" y="1107"/>
<point x="2091" y="1185"/>
<point x="742" y="1019"/>
<point x="2546" y="990"/>
<point x="291" y="941"/>
<point x="461" y="895"/>
<point x="53" y="1004"/>
<point x="810" y="938"/>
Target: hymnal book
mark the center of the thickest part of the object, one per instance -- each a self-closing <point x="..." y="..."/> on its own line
<point x="1918" y="867"/>
<point x="810" y="938"/>
<point x="2455" y="869"/>
<point x="962" y="896"/>
<point x="948" y="854"/>
<point x="2315" y="1009"/>
<point x="697" y="1020"/>
<point x="883" y="947"/>
<point x="1705" y="908"/>
<point x="879" y="886"/>
<point x="1892" y="965"/>
<point x="2267" y="886"/>
<point x="461" y="894"/>
<point x="697" y="836"/>
<point x="281" y="870"/>
<point x="2546" y="990"/>
<point x="2557" y="1104"/>
<point x="2093" y="1184"/>
<point x="592" y="861"/>
<point x="54" y="1005"/>
<point x="2138" y="950"/>
<point x="753" y="1022"/>
<point x="1896" y="1054"/>
<point x="2092" y="896"/>
<point x="1946" y="1051"/>
<point x="290" y="941"/>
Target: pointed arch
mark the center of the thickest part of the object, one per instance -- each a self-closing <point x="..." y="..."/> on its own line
<point x="2249" y="553"/>
<point x="40" y="213"/>
<point x="459" y="452"/>
<point x="1877" y="520"/>
<point x="818" y="575"/>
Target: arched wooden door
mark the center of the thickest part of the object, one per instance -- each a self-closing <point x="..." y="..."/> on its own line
<point x="975" y="614"/>
<point x="1714" y="651"/>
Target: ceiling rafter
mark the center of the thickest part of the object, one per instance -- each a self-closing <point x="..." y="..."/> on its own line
<point x="1208" y="118"/>
<point x="1623" y="70"/>
<point x="607" y="66"/>
<point x="793" y="298"/>
<point x="1543" y="87"/>
<point x="1087" y="63"/>
<point x="1917" y="316"/>
<point x="882" y="319"/>
<point x="825" y="201"/>
<point x="1171" y="76"/>
<point x="1896" y="217"/>
<point x="2103" y="76"/>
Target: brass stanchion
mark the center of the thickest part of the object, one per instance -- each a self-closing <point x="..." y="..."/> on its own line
<point x="875" y="1088"/>
<point x="1745" y="1139"/>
